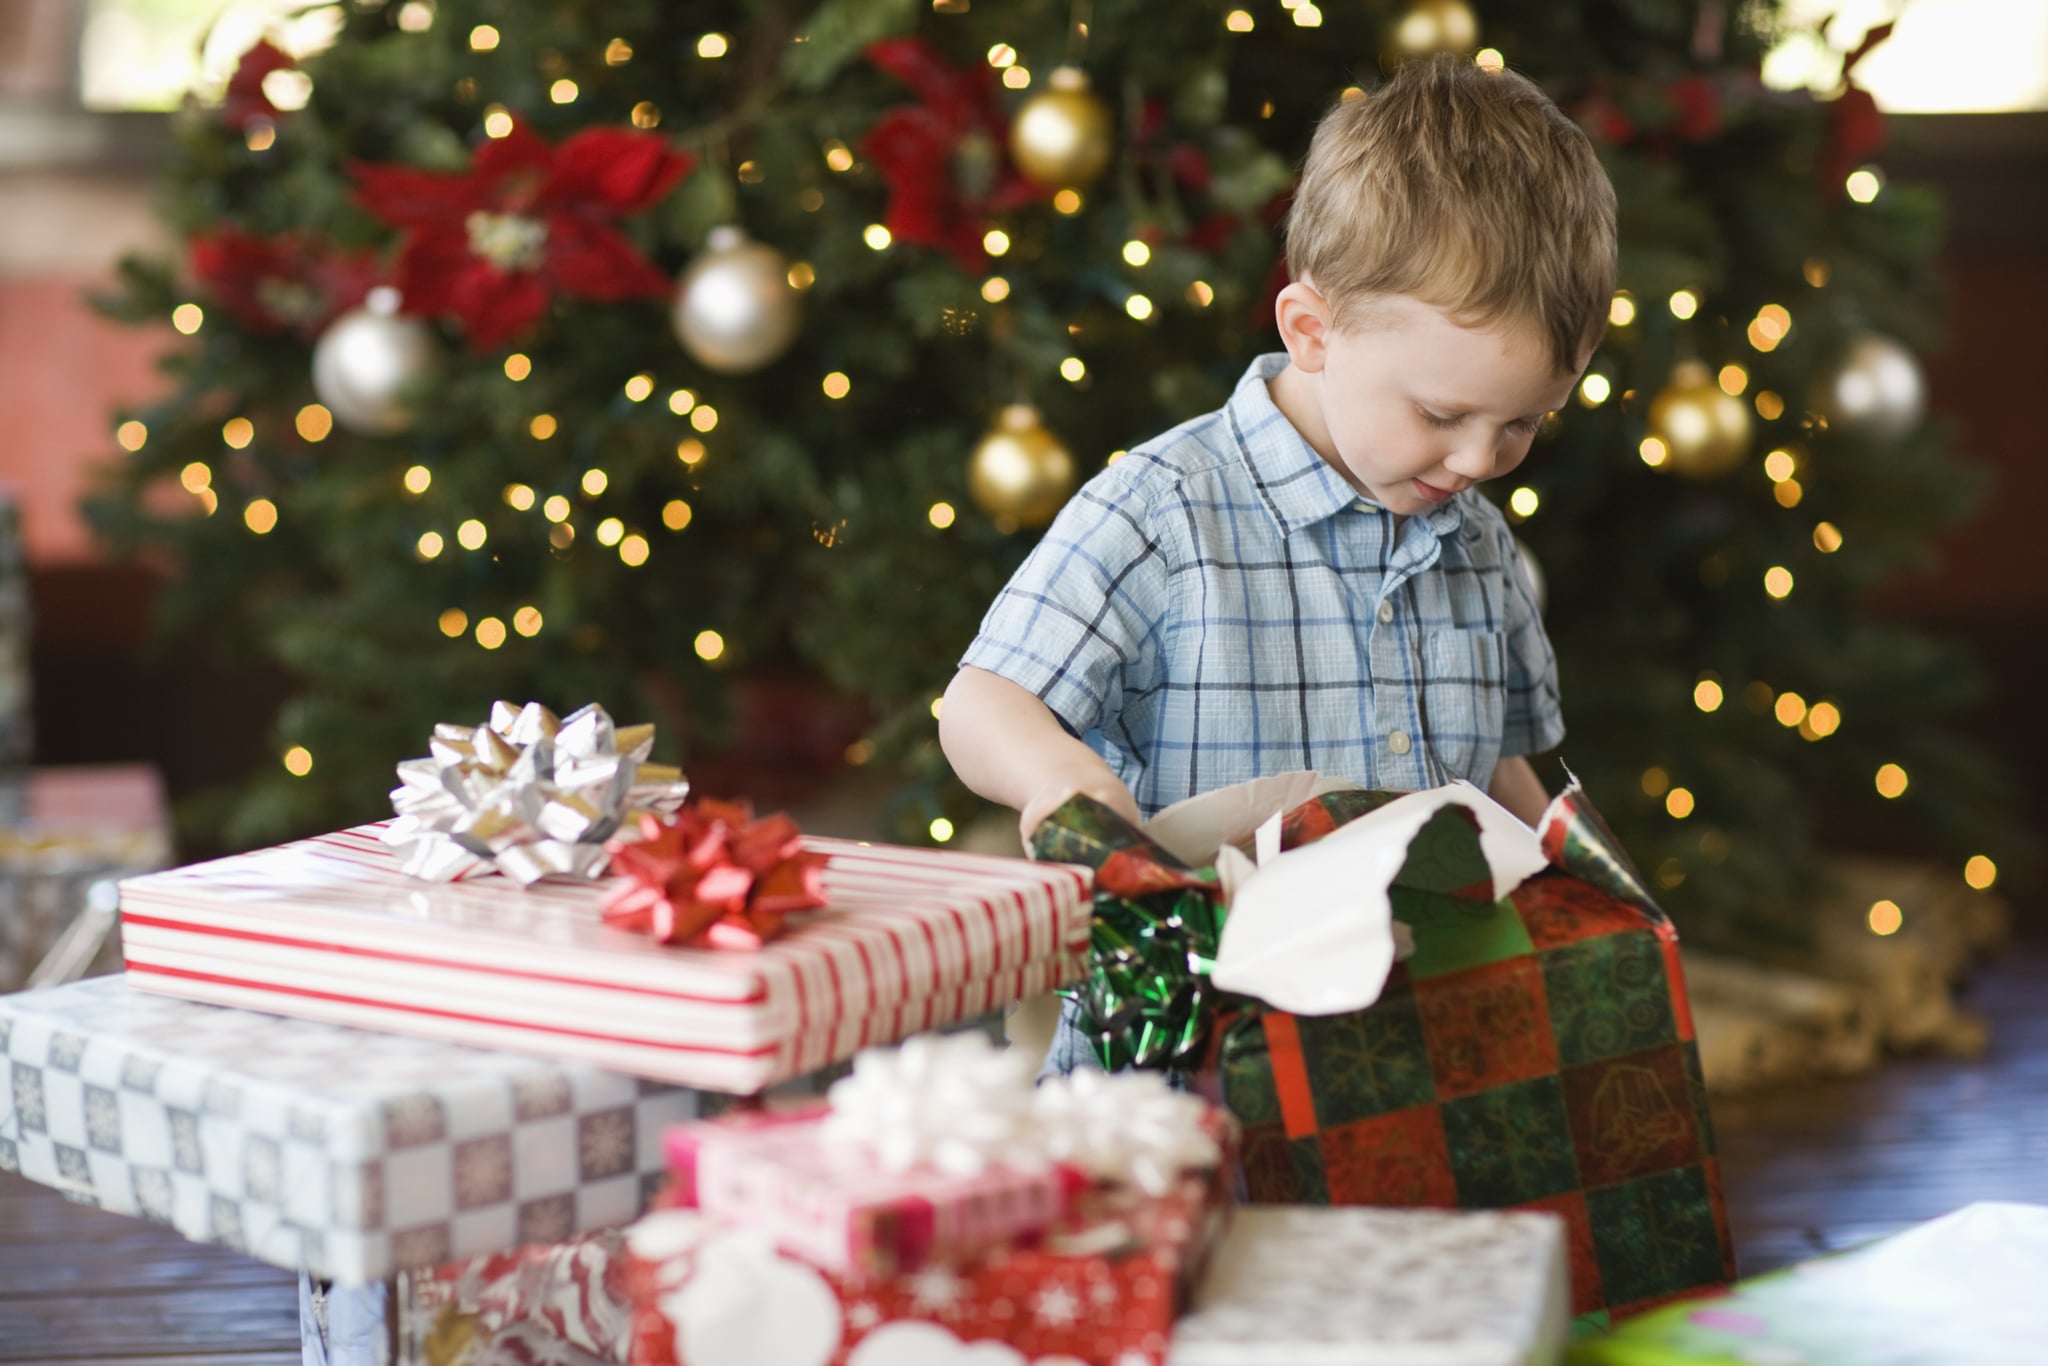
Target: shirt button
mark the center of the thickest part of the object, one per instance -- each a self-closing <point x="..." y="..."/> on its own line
<point x="1387" y="610"/>
<point x="1398" y="742"/>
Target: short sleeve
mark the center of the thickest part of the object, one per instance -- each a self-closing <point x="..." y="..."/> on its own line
<point x="1078" y="625"/>
<point x="1534" y="721"/>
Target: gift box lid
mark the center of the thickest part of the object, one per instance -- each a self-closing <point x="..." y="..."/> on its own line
<point x="1380" y="1287"/>
<point x="348" y="1153"/>
<point x="333" y="929"/>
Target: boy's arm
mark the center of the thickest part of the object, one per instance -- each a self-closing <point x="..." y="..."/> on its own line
<point x="1516" y="787"/>
<point x="1009" y="747"/>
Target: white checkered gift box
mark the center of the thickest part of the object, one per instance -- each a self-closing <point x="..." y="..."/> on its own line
<point x="350" y="1154"/>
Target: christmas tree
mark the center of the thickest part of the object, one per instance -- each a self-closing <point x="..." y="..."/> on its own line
<point x="632" y="352"/>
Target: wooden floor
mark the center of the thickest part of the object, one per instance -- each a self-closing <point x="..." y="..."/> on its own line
<point x="1817" y="1167"/>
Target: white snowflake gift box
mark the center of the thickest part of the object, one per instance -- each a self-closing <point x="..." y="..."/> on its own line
<point x="334" y="929"/>
<point x="351" y="1155"/>
<point x="1293" y="1285"/>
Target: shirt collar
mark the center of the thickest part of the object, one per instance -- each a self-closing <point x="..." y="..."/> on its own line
<point x="1296" y="485"/>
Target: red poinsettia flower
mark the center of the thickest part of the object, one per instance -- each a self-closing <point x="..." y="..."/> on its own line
<point x="945" y="159"/>
<point x="245" y="102"/>
<point x="713" y="876"/>
<point x="526" y="222"/>
<point x="295" y="282"/>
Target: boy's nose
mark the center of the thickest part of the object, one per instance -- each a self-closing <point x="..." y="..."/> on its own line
<point x="1472" y="460"/>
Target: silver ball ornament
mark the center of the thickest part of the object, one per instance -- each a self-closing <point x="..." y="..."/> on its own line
<point x="735" y="309"/>
<point x="1875" y="391"/>
<point x="369" y="362"/>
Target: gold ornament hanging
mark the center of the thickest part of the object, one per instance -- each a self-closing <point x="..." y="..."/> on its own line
<point x="1704" y="428"/>
<point x="735" y="310"/>
<point x="1063" y="139"/>
<point x="1432" y="26"/>
<point x="1020" y="474"/>
<point x="1874" y="390"/>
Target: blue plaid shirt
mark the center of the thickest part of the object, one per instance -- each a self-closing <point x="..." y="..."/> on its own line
<point x="1220" y="605"/>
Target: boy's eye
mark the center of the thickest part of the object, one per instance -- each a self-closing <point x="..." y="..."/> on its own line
<point x="1524" y="426"/>
<point x="1436" y="421"/>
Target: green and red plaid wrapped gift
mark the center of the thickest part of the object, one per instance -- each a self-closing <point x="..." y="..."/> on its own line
<point x="1531" y="1052"/>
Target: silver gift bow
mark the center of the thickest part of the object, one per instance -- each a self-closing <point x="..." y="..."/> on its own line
<point x="528" y="794"/>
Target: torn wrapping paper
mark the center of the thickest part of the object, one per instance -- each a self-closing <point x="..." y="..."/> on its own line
<point x="1311" y="929"/>
<point x="1533" y="1052"/>
<point x="1310" y="924"/>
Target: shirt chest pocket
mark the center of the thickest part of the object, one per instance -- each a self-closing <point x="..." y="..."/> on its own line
<point x="1464" y="698"/>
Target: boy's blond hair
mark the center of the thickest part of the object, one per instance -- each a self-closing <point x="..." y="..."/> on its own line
<point x="1465" y="189"/>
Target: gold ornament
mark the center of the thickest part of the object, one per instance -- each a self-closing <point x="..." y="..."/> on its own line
<point x="1063" y="139"/>
<point x="1875" y="390"/>
<point x="1020" y="474"/>
<point x="370" y="363"/>
<point x="735" y="310"/>
<point x="1705" y="429"/>
<point x="1432" y="26"/>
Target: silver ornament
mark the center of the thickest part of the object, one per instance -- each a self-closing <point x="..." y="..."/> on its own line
<point x="1532" y="572"/>
<point x="1876" y="391"/>
<point x="368" y="363"/>
<point x="735" y="309"/>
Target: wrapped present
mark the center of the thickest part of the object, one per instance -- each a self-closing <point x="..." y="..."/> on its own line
<point x="351" y="1154"/>
<point x="1963" y="1290"/>
<point x="1534" y="1050"/>
<point x="334" y="929"/>
<point x="1380" y="1287"/>
<point x="565" y="1304"/>
<point x="1103" y="1288"/>
<point x="66" y="836"/>
<point x="824" y="1205"/>
<point x="938" y="1151"/>
<point x="1099" y="1280"/>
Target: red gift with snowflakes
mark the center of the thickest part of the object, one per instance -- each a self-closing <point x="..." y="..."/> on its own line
<point x="1100" y="1279"/>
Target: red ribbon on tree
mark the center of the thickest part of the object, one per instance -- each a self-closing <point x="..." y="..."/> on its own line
<point x="1856" y="126"/>
<point x="527" y="221"/>
<point x="946" y="159"/>
<point x="294" y="282"/>
<point x="245" y="103"/>
<point x="713" y="877"/>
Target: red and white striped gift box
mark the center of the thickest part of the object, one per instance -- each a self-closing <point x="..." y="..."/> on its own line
<point x="331" y="929"/>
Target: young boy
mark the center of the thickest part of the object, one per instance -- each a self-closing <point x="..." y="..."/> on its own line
<point x="1306" y="578"/>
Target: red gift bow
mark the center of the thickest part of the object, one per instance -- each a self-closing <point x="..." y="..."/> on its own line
<point x="713" y="877"/>
<point x="552" y="209"/>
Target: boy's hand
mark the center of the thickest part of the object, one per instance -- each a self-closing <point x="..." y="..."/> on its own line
<point x="1006" y="745"/>
<point x="1103" y="787"/>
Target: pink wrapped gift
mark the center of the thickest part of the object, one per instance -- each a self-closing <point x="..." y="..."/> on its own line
<point x="784" y="1177"/>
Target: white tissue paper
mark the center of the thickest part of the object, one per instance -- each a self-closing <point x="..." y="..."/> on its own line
<point x="1311" y="931"/>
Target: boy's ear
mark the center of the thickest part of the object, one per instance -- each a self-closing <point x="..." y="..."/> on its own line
<point x="1303" y="317"/>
